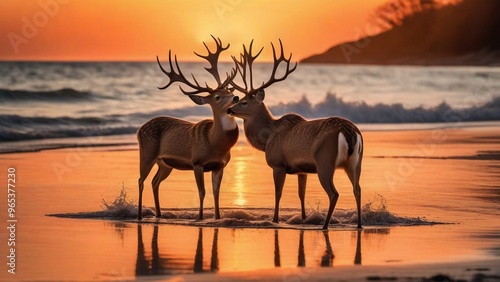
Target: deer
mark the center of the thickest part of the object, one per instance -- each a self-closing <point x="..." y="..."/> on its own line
<point x="294" y="145"/>
<point x="172" y="143"/>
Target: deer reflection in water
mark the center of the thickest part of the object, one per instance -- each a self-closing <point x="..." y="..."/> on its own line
<point x="326" y="259"/>
<point x="159" y="263"/>
<point x="198" y="259"/>
<point x="357" y="258"/>
<point x="170" y="264"/>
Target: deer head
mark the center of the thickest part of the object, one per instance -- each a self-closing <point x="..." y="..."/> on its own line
<point x="220" y="97"/>
<point x="254" y="97"/>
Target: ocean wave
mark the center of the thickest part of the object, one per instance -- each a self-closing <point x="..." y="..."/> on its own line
<point x="60" y="95"/>
<point x="20" y="128"/>
<point x="360" y="112"/>
<point x="192" y="111"/>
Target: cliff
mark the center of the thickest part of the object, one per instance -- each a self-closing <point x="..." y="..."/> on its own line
<point x="467" y="33"/>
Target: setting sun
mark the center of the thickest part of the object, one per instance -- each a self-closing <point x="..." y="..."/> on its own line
<point x="135" y="31"/>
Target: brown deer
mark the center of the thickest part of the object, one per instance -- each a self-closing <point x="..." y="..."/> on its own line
<point x="293" y="145"/>
<point x="172" y="143"/>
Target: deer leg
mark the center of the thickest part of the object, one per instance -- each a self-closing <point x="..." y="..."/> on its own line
<point x="302" y="193"/>
<point x="357" y="193"/>
<point x="354" y="174"/>
<point x="139" y="204"/>
<point x="279" y="175"/>
<point x="358" y="190"/>
<point x="145" y="168"/>
<point x="216" y="181"/>
<point x="200" y="182"/>
<point x="162" y="173"/>
<point x="325" y="174"/>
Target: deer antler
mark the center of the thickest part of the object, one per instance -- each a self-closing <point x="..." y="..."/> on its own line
<point x="175" y="74"/>
<point x="246" y="61"/>
<point x="213" y="58"/>
<point x="178" y="76"/>
<point x="277" y="62"/>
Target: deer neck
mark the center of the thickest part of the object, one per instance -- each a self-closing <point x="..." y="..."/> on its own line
<point x="258" y="127"/>
<point x="225" y="129"/>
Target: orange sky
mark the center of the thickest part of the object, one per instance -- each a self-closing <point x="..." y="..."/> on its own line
<point x="139" y="30"/>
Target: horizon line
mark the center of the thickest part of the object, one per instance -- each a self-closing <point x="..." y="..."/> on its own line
<point x="108" y="61"/>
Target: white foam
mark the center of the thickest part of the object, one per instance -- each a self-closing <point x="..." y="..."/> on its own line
<point x="257" y="217"/>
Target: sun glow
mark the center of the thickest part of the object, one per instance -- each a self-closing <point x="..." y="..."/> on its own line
<point x="238" y="183"/>
<point x="129" y="30"/>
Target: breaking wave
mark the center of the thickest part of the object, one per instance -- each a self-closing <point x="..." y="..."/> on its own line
<point x="20" y="128"/>
<point x="360" y="112"/>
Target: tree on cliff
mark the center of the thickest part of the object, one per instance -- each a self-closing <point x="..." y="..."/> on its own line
<point x="394" y="12"/>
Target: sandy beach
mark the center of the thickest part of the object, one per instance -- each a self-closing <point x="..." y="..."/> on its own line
<point x="441" y="175"/>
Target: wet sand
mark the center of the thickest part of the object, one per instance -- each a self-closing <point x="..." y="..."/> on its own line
<point x="449" y="176"/>
<point x="464" y="271"/>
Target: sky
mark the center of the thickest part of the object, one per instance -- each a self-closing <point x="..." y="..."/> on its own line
<point x="129" y="30"/>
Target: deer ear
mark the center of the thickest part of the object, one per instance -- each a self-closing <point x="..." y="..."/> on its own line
<point x="199" y="100"/>
<point x="260" y="95"/>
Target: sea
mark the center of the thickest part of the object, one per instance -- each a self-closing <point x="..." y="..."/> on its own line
<point x="46" y="105"/>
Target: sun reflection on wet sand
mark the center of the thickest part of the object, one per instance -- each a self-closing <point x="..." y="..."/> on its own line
<point x="453" y="189"/>
<point x="238" y="183"/>
<point x="229" y="251"/>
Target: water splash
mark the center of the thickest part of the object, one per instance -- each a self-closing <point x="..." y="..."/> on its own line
<point x="374" y="213"/>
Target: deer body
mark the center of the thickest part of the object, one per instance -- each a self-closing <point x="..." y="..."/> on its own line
<point x="173" y="143"/>
<point x="178" y="144"/>
<point x="182" y="145"/>
<point x="293" y="145"/>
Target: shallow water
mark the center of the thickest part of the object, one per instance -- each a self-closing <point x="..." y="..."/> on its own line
<point x="439" y="175"/>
